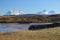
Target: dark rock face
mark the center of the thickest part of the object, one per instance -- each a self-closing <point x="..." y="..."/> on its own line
<point x="36" y="27"/>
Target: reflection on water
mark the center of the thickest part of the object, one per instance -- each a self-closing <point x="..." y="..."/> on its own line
<point x="9" y="27"/>
<point x="16" y="26"/>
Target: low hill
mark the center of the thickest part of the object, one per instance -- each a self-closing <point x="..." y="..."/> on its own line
<point x="30" y="18"/>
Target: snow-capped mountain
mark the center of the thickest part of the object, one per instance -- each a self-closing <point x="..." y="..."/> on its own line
<point x="15" y="12"/>
<point x="44" y="12"/>
<point x="19" y="12"/>
<point x="52" y="12"/>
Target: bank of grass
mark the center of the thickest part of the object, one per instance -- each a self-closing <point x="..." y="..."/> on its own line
<point x="43" y="34"/>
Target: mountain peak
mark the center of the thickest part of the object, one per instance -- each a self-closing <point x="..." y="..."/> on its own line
<point x="15" y="12"/>
<point x="44" y="12"/>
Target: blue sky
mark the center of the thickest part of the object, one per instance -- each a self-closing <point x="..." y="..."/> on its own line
<point x="29" y="6"/>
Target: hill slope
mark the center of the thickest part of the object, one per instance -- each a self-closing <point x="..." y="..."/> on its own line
<point x="30" y="18"/>
<point x="45" y="34"/>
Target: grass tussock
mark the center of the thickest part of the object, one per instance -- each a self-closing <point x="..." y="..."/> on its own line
<point x="43" y="34"/>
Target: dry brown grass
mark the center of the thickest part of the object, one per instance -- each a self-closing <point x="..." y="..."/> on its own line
<point x="29" y="19"/>
<point x="43" y="34"/>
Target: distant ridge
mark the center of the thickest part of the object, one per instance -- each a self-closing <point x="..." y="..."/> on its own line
<point x="44" y="12"/>
<point x="19" y="12"/>
<point x="14" y="12"/>
<point x="30" y="18"/>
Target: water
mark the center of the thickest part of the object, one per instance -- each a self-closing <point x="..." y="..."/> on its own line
<point x="9" y="27"/>
<point x="15" y="26"/>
